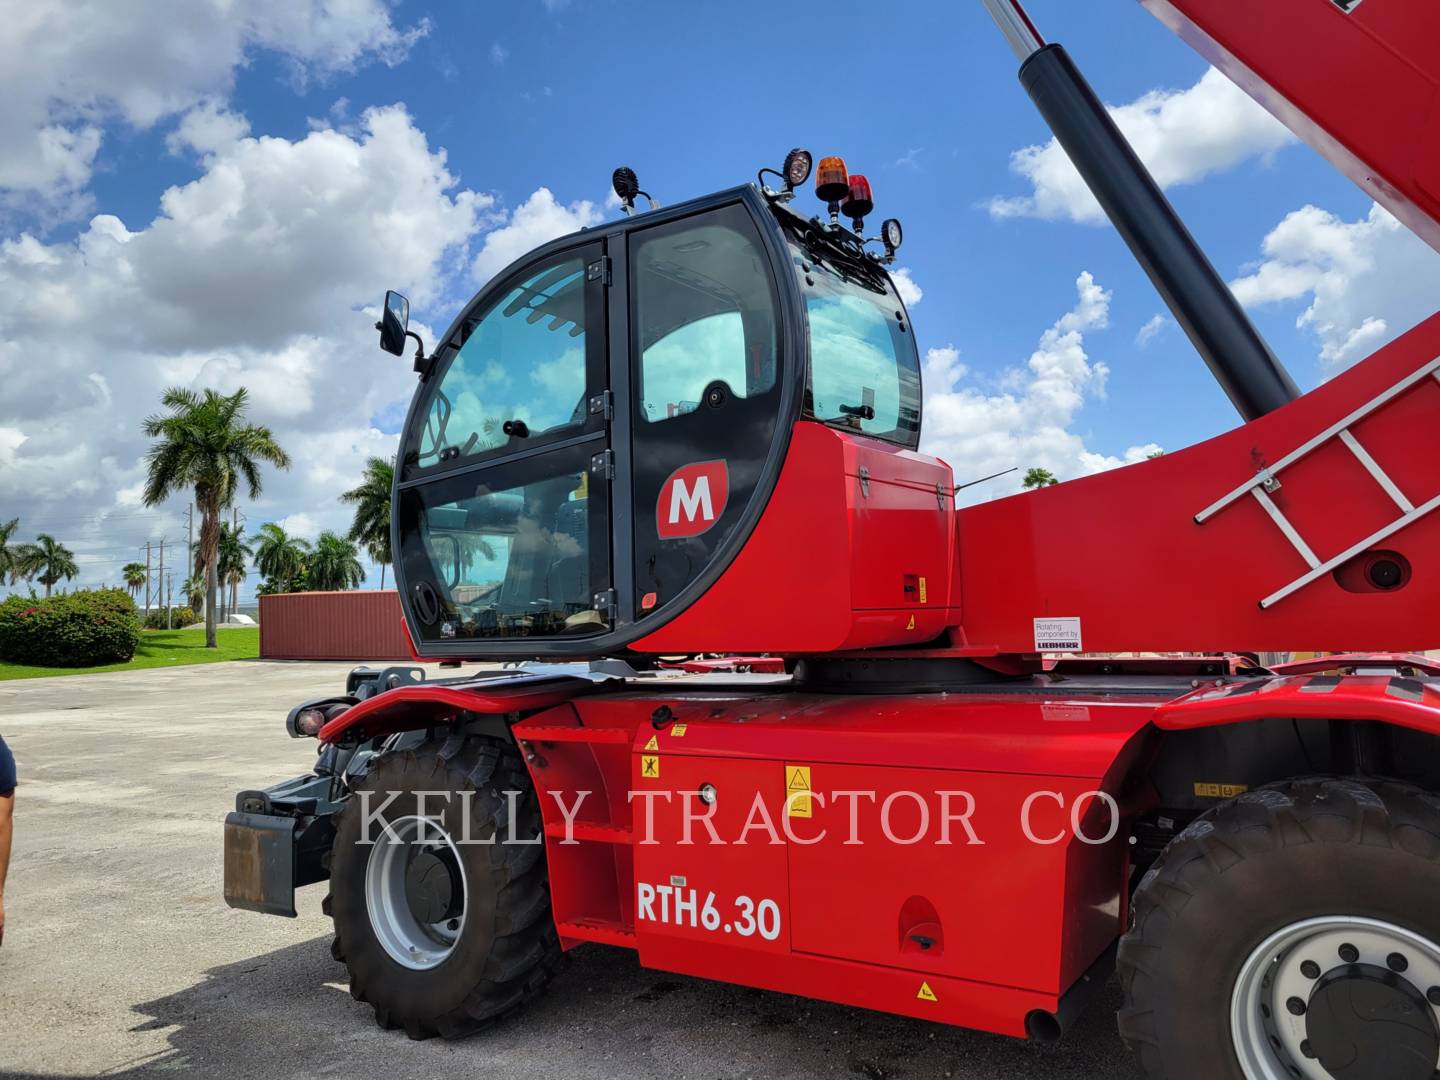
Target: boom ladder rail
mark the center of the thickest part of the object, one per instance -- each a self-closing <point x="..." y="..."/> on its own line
<point x="1267" y="481"/>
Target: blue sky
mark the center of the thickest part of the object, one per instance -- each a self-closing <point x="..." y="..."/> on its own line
<point x="251" y="204"/>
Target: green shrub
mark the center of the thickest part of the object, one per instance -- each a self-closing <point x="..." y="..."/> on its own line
<point x="180" y="617"/>
<point x="81" y="629"/>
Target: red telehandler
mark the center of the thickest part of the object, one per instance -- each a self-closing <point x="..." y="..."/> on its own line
<point x="1013" y="746"/>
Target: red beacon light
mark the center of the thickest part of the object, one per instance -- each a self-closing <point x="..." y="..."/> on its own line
<point x="858" y="203"/>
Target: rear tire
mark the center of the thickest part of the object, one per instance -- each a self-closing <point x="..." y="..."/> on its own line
<point x="1244" y="934"/>
<point x="445" y="936"/>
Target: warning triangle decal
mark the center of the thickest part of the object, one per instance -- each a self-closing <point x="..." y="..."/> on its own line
<point x="654" y="743"/>
<point x="926" y="994"/>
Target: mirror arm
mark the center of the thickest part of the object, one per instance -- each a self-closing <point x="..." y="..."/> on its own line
<point x="422" y="362"/>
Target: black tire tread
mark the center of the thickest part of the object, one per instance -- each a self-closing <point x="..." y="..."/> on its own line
<point x="526" y="952"/>
<point x="1288" y="814"/>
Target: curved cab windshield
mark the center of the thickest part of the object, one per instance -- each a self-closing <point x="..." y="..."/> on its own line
<point x="864" y="368"/>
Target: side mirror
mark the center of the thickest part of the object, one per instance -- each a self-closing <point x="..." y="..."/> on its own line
<point x="394" y="321"/>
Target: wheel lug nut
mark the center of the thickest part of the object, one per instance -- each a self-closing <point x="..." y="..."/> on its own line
<point x="1349" y="953"/>
<point x="1295" y="1006"/>
<point x="1307" y="1049"/>
<point x="1433" y="996"/>
<point x="1397" y="962"/>
<point x="1310" y="969"/>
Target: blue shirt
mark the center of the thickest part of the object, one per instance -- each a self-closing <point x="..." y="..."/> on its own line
<point x="7" y="769"/>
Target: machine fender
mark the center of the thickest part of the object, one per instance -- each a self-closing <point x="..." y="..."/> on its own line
<point x="1391" y="699"/>
<point x="407" y="708"/>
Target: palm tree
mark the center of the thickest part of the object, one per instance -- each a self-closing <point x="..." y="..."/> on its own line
<point x="205" y="444"/>
<point x="134" y="574"/>
<point x="10" y="554"/>
<point x="371" y="528"/>
<point x="280" y="557"/>
<point x="234" y="553"/>
<point x="194" y="590"/>
<point x="334" y="564"/>
<point x="48" y="560"/>
<point x="1038" y="478"/>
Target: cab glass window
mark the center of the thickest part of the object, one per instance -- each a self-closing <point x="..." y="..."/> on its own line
<point x="704" y="313"/>
<point x="513" y="551"/>
<point x="520" y="374"/>
<point x="864" y="367"/>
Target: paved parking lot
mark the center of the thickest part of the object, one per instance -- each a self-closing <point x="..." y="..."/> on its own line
<point x="121" y="958"/>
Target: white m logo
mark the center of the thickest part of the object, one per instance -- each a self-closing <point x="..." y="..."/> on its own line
<point x="691" y="501"/>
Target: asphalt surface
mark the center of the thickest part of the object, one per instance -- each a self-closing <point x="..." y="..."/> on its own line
<point x="121" y="958"/>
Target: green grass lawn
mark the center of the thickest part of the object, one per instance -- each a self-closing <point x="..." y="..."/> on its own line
<point x="161" y="648"/>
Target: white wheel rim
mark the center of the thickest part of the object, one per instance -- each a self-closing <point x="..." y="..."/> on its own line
<point x="410" y="942"/>
<point x="1269" y="1039"/>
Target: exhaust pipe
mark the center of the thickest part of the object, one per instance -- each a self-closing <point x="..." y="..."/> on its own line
<point x="1203" y="305"/>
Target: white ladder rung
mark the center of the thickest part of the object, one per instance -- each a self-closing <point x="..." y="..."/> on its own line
<point x="1373" y="468"/>
<point x="1427" y="370"/>
<point x="1350" y="552"/>
<point x="1284" y="523"/>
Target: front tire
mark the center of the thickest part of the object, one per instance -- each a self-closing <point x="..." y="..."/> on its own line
<point x="444" y="924"/>
<point x="1292" y="932"/>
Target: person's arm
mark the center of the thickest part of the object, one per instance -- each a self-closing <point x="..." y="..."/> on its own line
<point x="7" y="830"/>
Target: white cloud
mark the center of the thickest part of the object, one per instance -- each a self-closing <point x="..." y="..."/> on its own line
<point x="1182" y="136"/>
<point x="905" y="285"/>
<point x="207" y="128"/>
<point x="71" y="66"/>
<point x="1367" y="281"/>
<point x="1028" y="423"/>
<point x="263" y="272"/>
<point x="538" y="219"/>
<point x="1151" y="330"/>
<point x="498" y="54"/>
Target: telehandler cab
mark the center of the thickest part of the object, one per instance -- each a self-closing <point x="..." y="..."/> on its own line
<point x="696" y="430"/>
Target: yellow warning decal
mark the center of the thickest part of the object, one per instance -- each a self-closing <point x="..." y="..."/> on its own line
<point x="922" y="590"/>
<point x="797" y="791"/>
<point x="1219" y="791"/>
<point x="650" y="765"/>
<point x="926" y="994"/>
<point x="911" y="624"/>
<point x="654" y="743"/>
<point x="678" y="730"/>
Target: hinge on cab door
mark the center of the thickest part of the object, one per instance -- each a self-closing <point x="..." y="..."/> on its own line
<point x="599" y="270"/>
<point x="603" y="464"/>
<point x="605" y="603"/>
<point x="603" y="402"/>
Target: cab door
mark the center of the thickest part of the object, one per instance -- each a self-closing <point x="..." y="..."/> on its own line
<point x="705" y="394"/>
<point x="504" y="494"/>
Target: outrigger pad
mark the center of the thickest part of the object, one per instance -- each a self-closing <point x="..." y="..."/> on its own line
<point x="259" y="863"/>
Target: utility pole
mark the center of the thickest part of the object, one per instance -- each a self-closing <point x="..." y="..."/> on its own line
<point x="147" y="577"/>
<point x="161" y="590"/>
<point x="190" y="545"/>
<point x="169" y="600"/>
<point x="235" y="519"/>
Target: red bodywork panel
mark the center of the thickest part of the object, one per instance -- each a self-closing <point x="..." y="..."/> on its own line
<point x="406" y="708"/>
<point x="1361" y="88"/>
<point x="1410" y="703"/>
<point x="1011" y="923"/>
<point x="833" y="563"/>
